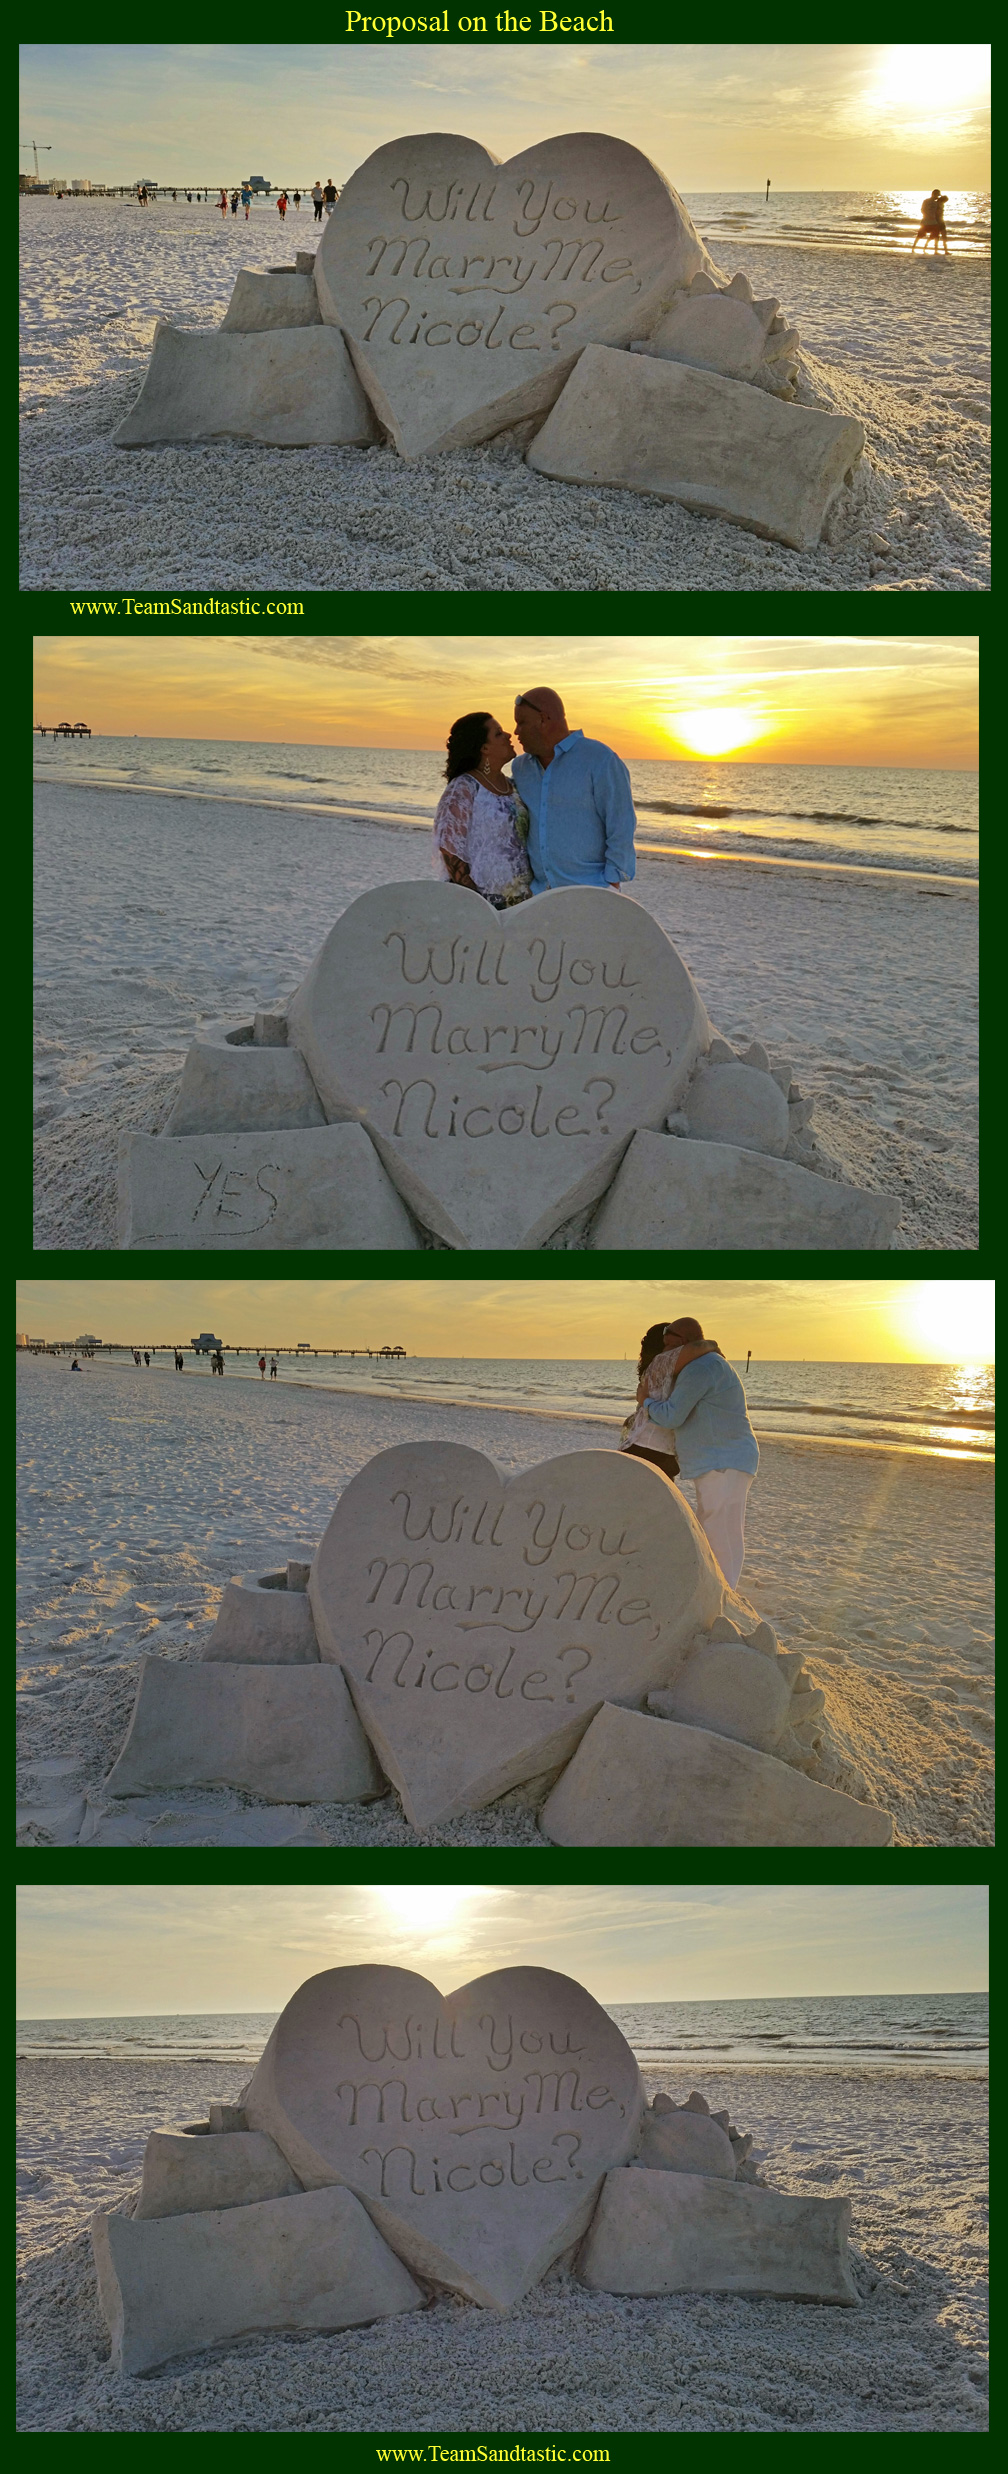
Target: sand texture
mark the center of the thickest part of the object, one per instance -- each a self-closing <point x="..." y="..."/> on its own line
<point x="908" y="2147"/>
<point x="204" y="909"/>
<point x="901" y="344"/>
<point x="143" y="1491"/>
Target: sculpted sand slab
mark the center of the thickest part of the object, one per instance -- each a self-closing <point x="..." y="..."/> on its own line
<point x="466" y="288"/>
<point x="504" y="1060"/>
<point x="476" y="2126"/>
<point x="480" y="1626"/>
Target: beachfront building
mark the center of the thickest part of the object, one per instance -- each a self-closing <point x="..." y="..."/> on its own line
<point x="206" y="1344"/>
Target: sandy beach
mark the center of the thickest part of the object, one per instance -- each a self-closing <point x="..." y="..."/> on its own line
<point x="205" y="909"/>
<point x="901" y="344"/>
<point x="142" y="1492"/>
<point x="908" y="2146"/>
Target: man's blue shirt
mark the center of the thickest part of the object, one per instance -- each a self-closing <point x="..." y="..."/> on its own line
<point x="581" y="812"/>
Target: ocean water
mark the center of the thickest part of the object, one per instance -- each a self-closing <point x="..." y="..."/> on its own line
<point x="930" y="2031"/>
<point x="878" y="816"/>
<point x="867" y="219"/>
<point x="943" y="1410"/>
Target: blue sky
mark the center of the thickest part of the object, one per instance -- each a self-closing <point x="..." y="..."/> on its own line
<point x="94" y="1951"/>
<point x="713" y="115"/>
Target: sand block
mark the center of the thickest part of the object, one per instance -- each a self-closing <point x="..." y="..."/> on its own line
<point x="263" y="1626"/>
<point x="288" y="1734"/>
<point x="261" y="302"/>
<point x="225" y="2117"/>
<point x="481" y="1625"/>
<point x="737" y="1104"/>
<point x="730" y="1690"/>
<point x="180" y="2284"/>
<point x="648" y="1782"/>
<point x="671" y="1192"/>
<point x="713" y="331"/>
<point x="306" y="1186"/>
<point x="475" y="2126"/>
<point x="682" y="2141"/>
<point x="634" y="423"/>
<point x="675" y="2233"/>
<point x="294" y="388"/>
<point x="503" y="1058"/>
<point x="183" y="2175"/>
<point x="246" y="1089"/>
<point x="466" y="287"/>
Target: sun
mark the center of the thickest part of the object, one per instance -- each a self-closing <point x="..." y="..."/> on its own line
<point x="932" y="86"/>
<point x="424" y="1907"/>
<point x="717" y="729"/>
<point x="952" y="1320"/>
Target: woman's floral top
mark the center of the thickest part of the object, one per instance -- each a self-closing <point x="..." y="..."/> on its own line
<point x="488" y="832"/>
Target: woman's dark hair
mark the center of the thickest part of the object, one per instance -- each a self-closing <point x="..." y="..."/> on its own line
<point x="465" y="743"/>
<point x="651" y="1347"/>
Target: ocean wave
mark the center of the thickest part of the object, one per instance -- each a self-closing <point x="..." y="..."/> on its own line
<point x="795" y="815"/>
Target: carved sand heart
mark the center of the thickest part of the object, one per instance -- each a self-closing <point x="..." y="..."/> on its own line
<point x="503" y="1059"/>
<point x="475" y="2126"/>
<point x="480" y="1626"/>
<point x="466" y="288"/>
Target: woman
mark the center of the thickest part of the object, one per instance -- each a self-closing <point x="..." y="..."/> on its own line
<point x="706" y="1410"/>
<point x="481" y="826"/>
<point x="656" y="1367"/>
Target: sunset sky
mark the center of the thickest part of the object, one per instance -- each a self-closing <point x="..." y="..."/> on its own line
<point x="868" y="1322"/>
<point x="824" y="699"/>
<point x="97" y="1951"/>
<point x="713" y="115"/>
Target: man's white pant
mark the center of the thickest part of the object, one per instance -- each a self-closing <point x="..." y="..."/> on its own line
<point x="722" y="1495"/>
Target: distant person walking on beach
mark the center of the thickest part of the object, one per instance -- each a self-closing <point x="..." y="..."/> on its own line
<point x="179" y="1361"/>
<point x="262" y="1368"/>
<point x="282" y="205"/>
<point x="234" y="201"/>
<point x="329" y="195"/>
<point x="297" y="201"/>
<point x="246" y="198"/>
<point x="272" y="1369"/>
<point x="217" y="1361"/>
<point x="767" y="192"/>
<point x="222" y="201"/>
<point x="932" y="223"/>
<point x="318" y="198"/>
<point x="577" y="792"/>
<point x="706" y="1410"/>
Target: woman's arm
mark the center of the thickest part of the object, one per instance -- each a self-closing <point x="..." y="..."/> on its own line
<point x="451" y="829"/>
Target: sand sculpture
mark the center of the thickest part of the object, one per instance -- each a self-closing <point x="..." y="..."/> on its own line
<point x="457" y="1636"/>
<point x="564" y="296"/>
<point x="394" y="2143"/>
<point x="452" y="1074"/>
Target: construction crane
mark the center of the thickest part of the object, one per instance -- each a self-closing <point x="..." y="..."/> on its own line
<point x="30" y="141"/>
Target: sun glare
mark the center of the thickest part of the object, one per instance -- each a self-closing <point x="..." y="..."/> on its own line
<point x="931" y="85"/>
<point x="717" y="729"/>
<point x="424" y="1907"/>
<point x="952" y="1320"/>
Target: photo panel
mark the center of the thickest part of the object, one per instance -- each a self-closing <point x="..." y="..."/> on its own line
<point x="511" y="1563"/>
<point x="352" y="976"/>
<point x="492" y="2171"/>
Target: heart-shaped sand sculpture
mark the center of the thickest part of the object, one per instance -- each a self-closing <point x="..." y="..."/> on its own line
<point x="503" y="1059"/>
<point x="480" y="1626"/>
<point x="466" y="288"/>
<point x="475" y="2126"/>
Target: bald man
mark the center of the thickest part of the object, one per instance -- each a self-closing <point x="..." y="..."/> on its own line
<point x="577" y="792"/>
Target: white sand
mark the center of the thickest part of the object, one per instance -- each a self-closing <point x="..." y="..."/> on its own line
<point x="903" y="344"/>
<point x="204" y="908"/>
<point x="143" y="1491"/>
<point x="907" y="2146"/>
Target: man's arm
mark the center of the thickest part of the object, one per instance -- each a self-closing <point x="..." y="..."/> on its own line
<point x="688" y="1388"/>
<point x="615" y="800"/>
